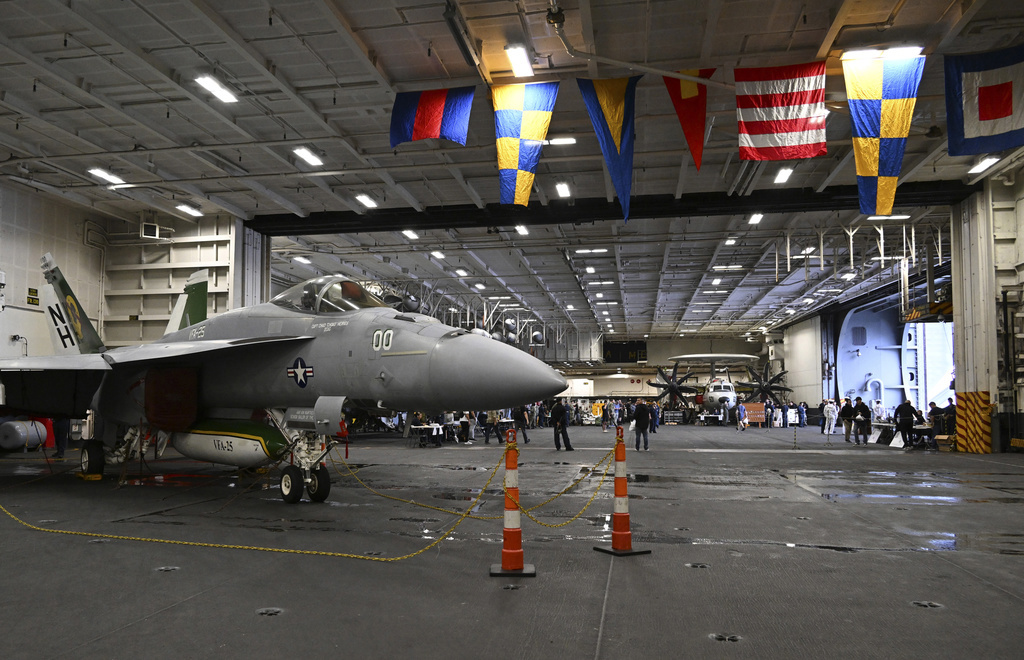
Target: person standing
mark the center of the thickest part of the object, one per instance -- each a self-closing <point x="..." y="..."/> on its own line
<point x="641" y="420"/>
<point x="905" y="415"/>
<point x="491" y="426"/>
<point x="862" y="420"/>
<point x="606" y="414"/>
<point x="802" y="413"/>
<point x="785" y="414"/>
<point x="655" y="416"/>
<point x="61" y="434"/>
<point x="741" y="417"/>
<point x="519" y="417"/>
<point x="821" y="414"/>
<point x="769" y="414"/>
<point x="846" y="414"/>
<point x="560" y="422"/>
<point x="831" y="413"/>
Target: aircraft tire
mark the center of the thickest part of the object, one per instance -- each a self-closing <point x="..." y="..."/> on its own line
<point x="92" y="457"/>
<point x="291" y="484"/>
<point x="319" y="486"/>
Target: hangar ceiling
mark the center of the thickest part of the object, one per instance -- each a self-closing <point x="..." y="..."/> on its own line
<point x="111" y="84"/>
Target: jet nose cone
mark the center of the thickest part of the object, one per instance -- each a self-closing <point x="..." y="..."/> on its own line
<point x="479" y="373"/>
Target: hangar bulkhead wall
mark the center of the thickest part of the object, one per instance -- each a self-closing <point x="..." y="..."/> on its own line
<point x="988" y="300"/>
<point x="126" y="284"/>
<point x="30" y="226"/>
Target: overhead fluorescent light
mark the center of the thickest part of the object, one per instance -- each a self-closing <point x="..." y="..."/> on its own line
<point x="106" y="176"/>
<point x="410" y="234"/>
<point x="712" y="291"/>
<point x="983" y="165"/>
<point x="605" y="312"/>
<point x="212" y="85"/>
<point x="730" y="241"/>
<point x="561" y="141"/>
<point x="889" y="217"/>
<point x="716" y="281"/>
<point x="848" y="276"/>
<point x="791" y="311"/>
<point x="807" y="250"/>
<point x="460" y="272"/>
<point x="570" y="307"/>
<point x="729" y="267"/>
<point x="522" y="67"/>
<point x="599" y="250"/>
<point x="902" y="52"/>
<point x="608" y="302"/>
<point x="191" y="210"/>
<point x="863" y="54"/>
<point x="807" y="301"/>
<point x="783" y="175"/>
<point x="301" y="260"/>
<point x="499" y="297"/>
<point x="480" y="286"/>
<point x="756" y="218"/>
<point x="522" y="230"/>
<point x="830" y="290"/>
<point x="604" y="282"/>
<point x="305" y="154"/>
<point x="437" y="254"/>
<point x="369" y="203"/>
<point x="563" y="189"/>
<point x="590" y="270"/>
<point x="599" y="295"/>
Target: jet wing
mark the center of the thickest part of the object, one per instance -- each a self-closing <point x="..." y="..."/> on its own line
<point x="183" y="349"/>
<point x="64" y="385"/>
<point x="56" y="385"/>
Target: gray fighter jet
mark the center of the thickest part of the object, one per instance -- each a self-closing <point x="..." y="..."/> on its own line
<point x="258" y="384"/>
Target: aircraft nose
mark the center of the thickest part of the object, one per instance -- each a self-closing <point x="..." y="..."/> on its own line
<point x="478" y="373"/>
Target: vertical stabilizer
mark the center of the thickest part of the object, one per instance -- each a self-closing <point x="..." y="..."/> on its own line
<point x="190" y="308"/>
<point x="71" y="332"/>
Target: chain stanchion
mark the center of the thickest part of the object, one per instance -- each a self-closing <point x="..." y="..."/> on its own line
<point x="512" y="537"/>
<point x="622" y="537"/>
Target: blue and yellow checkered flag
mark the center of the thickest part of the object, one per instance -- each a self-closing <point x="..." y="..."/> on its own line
<point x="881" y="93"/>
<point x="522" y="114"/>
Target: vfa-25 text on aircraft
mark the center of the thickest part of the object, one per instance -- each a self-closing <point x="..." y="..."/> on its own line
<point x="252" y="385"/>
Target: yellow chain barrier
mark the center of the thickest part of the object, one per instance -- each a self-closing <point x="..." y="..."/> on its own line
<point x="474" y="517"/>
<point x="321" y="553"/>
<point x="529" y="511"/>
<point x="324" y="553"/>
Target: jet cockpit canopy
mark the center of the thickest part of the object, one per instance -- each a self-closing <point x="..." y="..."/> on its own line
<point x="327" y="295"/>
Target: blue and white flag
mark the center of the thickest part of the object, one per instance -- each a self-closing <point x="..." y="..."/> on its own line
<point x="985" y="101"/>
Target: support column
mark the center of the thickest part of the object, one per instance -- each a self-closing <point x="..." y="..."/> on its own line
<point x="975" y="322"/>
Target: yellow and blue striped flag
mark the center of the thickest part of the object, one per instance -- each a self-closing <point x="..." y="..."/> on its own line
<point x="610" y="105"/>
<point x="522" y="114"/>
<point x="881" y="93"/>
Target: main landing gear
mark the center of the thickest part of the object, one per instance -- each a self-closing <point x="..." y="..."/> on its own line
<point x="307" y="470"/>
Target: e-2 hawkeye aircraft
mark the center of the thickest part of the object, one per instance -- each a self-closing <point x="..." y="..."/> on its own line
<point x="253" y="385"/>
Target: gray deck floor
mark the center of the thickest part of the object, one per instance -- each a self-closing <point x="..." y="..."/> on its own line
<point x="759" y="550"/>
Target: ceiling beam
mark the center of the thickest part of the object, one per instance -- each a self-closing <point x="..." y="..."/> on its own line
<point x="788" y="200"/>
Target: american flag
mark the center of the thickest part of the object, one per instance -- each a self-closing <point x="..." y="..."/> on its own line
<point x="781" y="111"/>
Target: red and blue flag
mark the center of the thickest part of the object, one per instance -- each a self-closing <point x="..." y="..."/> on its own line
<point x="435" y="113"/>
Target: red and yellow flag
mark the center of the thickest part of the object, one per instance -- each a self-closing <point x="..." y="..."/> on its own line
<point x="690" y="100"/>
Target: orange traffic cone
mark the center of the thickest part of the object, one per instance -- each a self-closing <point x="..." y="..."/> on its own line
<point x="512" y="549"/>
<point x="622" y="537"/>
